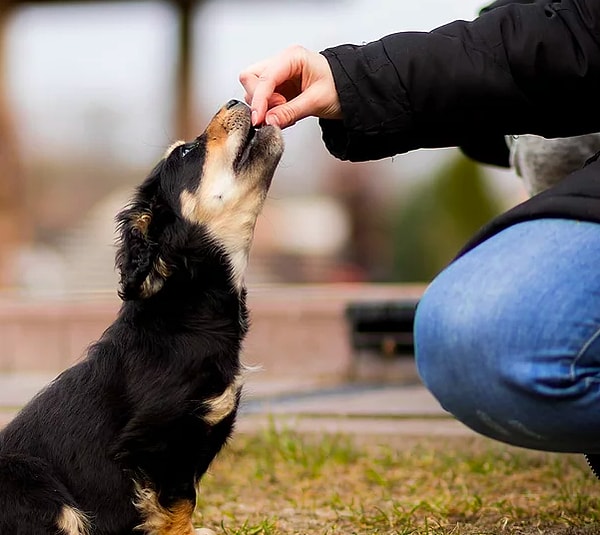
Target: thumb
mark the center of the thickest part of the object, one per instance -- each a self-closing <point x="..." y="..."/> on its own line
<point x="292" y="111"/>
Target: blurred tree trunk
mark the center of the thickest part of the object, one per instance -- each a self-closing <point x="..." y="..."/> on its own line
<point x="14" y="224"/>
<point x="185" y="119"/>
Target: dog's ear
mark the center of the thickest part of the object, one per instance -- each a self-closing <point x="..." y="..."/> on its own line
<point x="143" y="272"/>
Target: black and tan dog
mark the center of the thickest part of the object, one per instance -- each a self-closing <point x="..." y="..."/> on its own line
<point x="118" y="443"/>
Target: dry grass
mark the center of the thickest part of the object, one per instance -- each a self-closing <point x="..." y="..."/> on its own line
<point x="278" y="482"/>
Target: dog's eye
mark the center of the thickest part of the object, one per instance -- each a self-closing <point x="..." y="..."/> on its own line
<point x="187" y="148"/>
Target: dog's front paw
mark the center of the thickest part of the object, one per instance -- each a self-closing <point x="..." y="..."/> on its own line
<point x="204" y="531"/>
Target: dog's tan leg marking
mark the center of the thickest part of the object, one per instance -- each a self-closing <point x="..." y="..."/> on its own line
<point x="222" y="406"/>
<point x="160" y="521"/>
<point x="73" y="522"/>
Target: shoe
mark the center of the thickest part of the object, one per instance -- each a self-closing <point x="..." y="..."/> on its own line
<point x="593" y="460"/>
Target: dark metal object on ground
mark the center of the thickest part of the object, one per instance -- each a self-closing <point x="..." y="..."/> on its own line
<point x="381" y="338"/>
<point x="383" y="327"/>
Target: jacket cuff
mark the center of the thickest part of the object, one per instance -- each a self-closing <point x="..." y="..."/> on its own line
<point x="372" y="120"/>
<point x="337" y="133"/>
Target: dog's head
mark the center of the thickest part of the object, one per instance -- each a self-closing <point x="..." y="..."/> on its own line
<point x="208" y="193"/>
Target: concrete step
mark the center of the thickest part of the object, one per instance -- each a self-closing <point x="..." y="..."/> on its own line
<point x="305" y="406"/>
<point x="282" y="396"/>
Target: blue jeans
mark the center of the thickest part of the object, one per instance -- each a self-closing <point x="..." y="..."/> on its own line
<point x="507" y="337"/>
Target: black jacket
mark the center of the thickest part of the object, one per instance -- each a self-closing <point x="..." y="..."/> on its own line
<point x="520" y="67"/>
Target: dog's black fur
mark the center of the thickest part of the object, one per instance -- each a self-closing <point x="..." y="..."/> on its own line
<point x="118" y="442"/>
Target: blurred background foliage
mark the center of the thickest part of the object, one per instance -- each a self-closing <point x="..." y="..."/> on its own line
<point x="431" y="224"/>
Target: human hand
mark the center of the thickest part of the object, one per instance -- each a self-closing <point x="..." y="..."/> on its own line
<point x="293" y="85"/>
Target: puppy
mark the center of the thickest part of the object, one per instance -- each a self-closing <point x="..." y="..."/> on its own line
<point x="117" y="444"/>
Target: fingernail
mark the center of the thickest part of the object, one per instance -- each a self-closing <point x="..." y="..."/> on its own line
<point x="272" y="120"/>
<point x="254" y="117"/>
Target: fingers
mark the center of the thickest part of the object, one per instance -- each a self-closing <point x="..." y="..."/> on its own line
<point x="249" y="78"/>
<point x="262" y="79"/>
<point x="259" y="93"/>
<point x="291" y="86"/>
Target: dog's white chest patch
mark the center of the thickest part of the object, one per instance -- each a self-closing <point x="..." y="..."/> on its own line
<point x="219" y="190"/>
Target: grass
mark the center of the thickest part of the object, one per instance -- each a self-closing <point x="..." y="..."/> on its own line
<point x="280" y="482"/>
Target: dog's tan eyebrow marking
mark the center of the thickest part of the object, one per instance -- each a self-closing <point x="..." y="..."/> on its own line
<point x="222" y="406"/>
<point x="176" y="520"/>
<point x="73" y="522"/>
<point x="172" y="147"/>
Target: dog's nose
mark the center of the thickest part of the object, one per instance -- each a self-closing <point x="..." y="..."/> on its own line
<point x="232" y="103"/>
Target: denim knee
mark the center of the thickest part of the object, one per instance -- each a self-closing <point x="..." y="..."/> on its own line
<point x="446" y="335"/>
<point x="475" y="346"/>
<point x="507" y="338"/>
<point x="462" y="359"/>
<point x="487" y="360"/>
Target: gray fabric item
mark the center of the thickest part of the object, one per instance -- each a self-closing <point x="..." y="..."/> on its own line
<point x="542" y="162"/>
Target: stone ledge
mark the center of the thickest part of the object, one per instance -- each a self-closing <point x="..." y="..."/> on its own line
<point x="295" y="330"/>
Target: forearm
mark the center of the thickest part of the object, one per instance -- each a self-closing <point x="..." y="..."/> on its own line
<point x="531" y="68"/>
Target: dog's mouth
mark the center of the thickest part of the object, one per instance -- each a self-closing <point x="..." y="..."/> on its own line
<point x="246" y="147"/>
<point x="252" y="152"/>
<point x="256" y="144"/>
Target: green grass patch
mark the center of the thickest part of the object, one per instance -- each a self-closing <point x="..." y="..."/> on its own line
<point x="280" y="482"/>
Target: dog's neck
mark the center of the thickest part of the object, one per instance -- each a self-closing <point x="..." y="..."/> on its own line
<point x="200" y="280"/>
<point x="194" y="310"/>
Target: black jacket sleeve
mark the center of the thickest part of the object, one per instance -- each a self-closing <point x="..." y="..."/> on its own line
<point x="492" y="148"/>
<point x="519" y="68"/>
